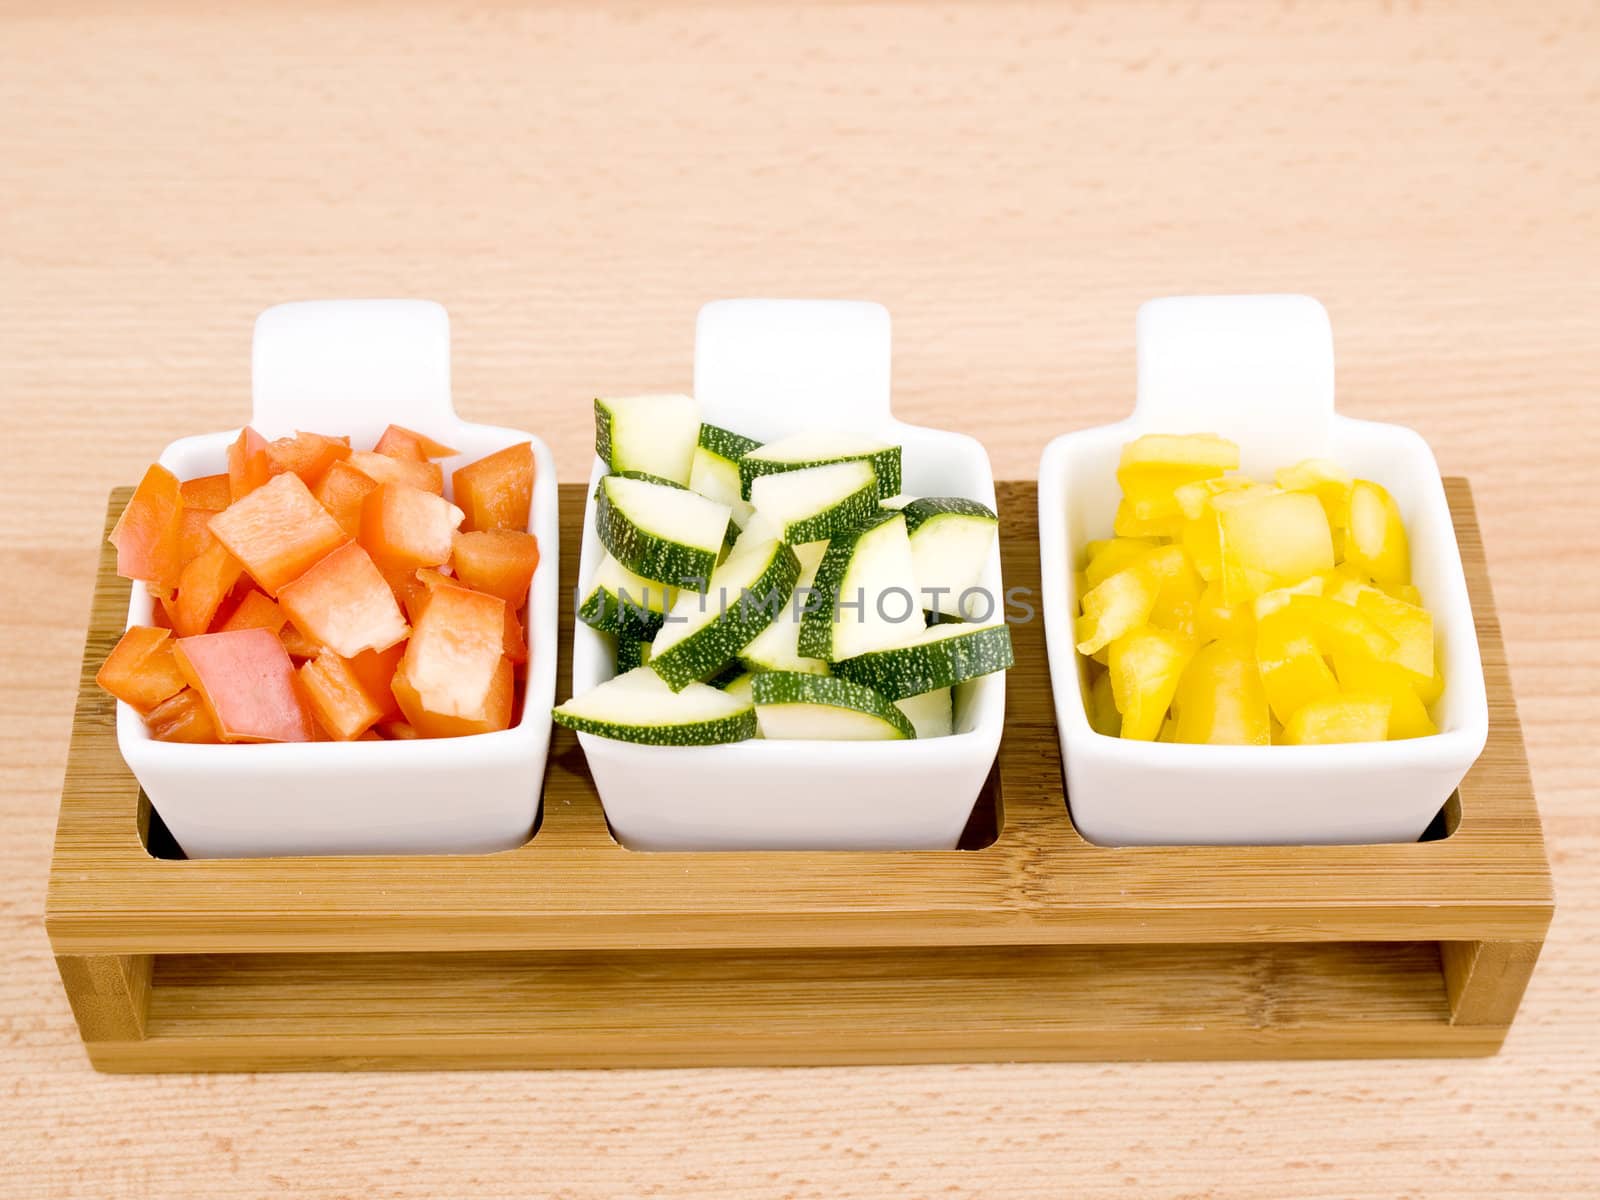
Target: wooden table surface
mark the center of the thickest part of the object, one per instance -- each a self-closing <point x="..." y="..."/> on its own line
<point x="573" y="181"/>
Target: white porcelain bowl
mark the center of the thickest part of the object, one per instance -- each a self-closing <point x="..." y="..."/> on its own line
<point x="768" y="368"/>
<point x="352" y="367"/>
<point x="1258" y="370"/>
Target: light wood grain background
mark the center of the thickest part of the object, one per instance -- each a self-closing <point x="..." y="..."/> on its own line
<point x="572" y="180"/>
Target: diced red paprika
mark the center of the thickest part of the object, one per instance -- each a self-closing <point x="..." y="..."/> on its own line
<point x="341" y="706"/>
<point x="210" y="492"/>
<point x="298" y="644"/>
<point x="148" y="533"/>
<point x="496" y="492"/>
<point x="255" y="611"/>
<point x="140" y="669"/>
<point x="194" y="533"/>
<point x="308" y="455"/>
<point x="247" y="682"/>
<point x="375" y="670"/>
<point x="380" y="468"/>
<point x="278" y="531"/>
<point x="450" y="680"/>
<point x="399" y="442"/>
<point x="182" y="717"/>
<point x="248" y="464"/>
<point x="398" y="731"/>
<point x="498" y="561"/>
<point x="406" y="527"/>
<point x="341" y="491"/>
<point x="203" y="586"/>
<point x="515" y="643"/>
<point x="344" y="603"/>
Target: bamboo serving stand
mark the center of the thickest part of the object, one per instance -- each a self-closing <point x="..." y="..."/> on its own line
<point x="1028" y="944"/>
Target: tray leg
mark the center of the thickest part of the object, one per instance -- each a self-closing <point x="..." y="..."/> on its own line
<point x="109" y="993"/>
<point x="1485" y="980"/>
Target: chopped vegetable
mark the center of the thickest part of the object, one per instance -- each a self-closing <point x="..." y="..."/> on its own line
<point x="455" y="677"/>
<point x="255" y="610"/>
<point x="277" y="531"/>
<point x="498" y="561"/>
<point x="203" y="586"/>
<point x="380" y="468"/>
<point x="343" y="708"/>
<point x="182" y="717"/>
<point x="341" y="491"/>
<point x="148" y="531"/>
<point x="344" y="603"/>
<point x="247" y="682"/>
<point x="248" y="464"/>
<point x="211" y="493"/>
<point x="308" y="455"/>
<point x="399" y="442"/>
<point x="140" y="670"/>
<point x="496" y="492"/>
<point x="404" y="527"/>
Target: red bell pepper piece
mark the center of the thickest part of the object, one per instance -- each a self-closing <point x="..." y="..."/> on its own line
<point x="375" y="669"/>
<point x="399" y="442"/>
<point x="248" y="464"/>
<point x="341" y="491"/>
<point x="247" y="682"/>
<point x="341" y="706"/>
<point x="344" y="604"/>
<point x="182" y="717"/>
<point x="496" y="492"/>
<point x="203" y="586"/>
<point x="278" y="531"/>
<point x="298" y="644"/>
<point x="380" y="468"/>
<point x="254" y="611"/>
<point x="406" y="527"/>
<point x="194" y="533"/>
<point x="308" y="455"/>
<point x="148" y="533"/>
<point x="398" y="731"/>
<point x="455" y="678"/>
<point x="498" y="561"/>
<point x="210" y="492"/>
<point x="140" y="669"/>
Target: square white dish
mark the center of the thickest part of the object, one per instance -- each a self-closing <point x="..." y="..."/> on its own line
<point x="766" y="369"/>
<point x="1258" y="370"/>
<point x="352" y="367"/>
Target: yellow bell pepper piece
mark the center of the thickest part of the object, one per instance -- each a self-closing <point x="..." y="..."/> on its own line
<point x="1146" y="665"/>
<point x="1328" y="482"/>
<point x="1122" y="602"/>
<point x="1278" y="597"/>
<point x="1408" y="715"/>
<point x="1220" y="700"/>
<point x="1375" y="539"/>
<point x="1126" y="523"/>
<point x="1344" y="717"/>
<point x="1154" y="466"/>
<point x="1405" y="591"/>
<point x="1272" y="541"/>
<point x="1410" y="627"/>
<point x="1340" y="627"/>
<point x="1109" y="555"/>
<point x="1178" y="602"/>
<point x="1292" y="669"/>
<point x="1102" y="707"/>
<point x="1216" y="619"/>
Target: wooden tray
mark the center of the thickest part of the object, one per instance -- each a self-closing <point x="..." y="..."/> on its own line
<point x="571" y="951"/>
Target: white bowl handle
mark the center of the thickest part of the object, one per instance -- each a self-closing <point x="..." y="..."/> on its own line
<point x="1256" y="369"/>
<point x="766" y="368"/>
<point x="351" y="366"/>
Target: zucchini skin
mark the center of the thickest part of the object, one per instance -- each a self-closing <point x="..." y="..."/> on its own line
<point x="608" y="612"/>
<point x="716" y="644"/>
<point x="646" y="554"/>
<point x="885" y="465"/>
<point x="794" y="687"/>
<point x="724" y="443"/>
<point x="848" y="514"/>
<point x="738" y="727"/>
<point x="931" y="665"/>
<point x="918" y="512"/>
<point x="817" y="618"/>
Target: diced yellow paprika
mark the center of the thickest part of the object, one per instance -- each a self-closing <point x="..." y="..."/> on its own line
<point x="1119" y="604"/>
<point x="1102" y="707"/>
<point x="1342" y="717"/>
<point x="1329" y="483"/>
<point x="1194" y="499"/>
<point x="1220" y="700"/>
<point x="1178" y="602"/>
<point x="1127" y="523"/>
<point x="1410" y="627"/>
<point x="1202" y="542"/>
<point x="1290" y="660"/>
<point x="1408" y="715"/>
<point x="1340" y="627"/>
<point x="1375" y="538"/>
<point x="1217" y="619"/>
<point x="1405" y="591"/>
<point x="1109" y="555"/>
<point x="1272" y="541"/>
<point x="1154" y="466"/>
<point x="1146" y="665"/>
<point x="1272" y="601"/>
